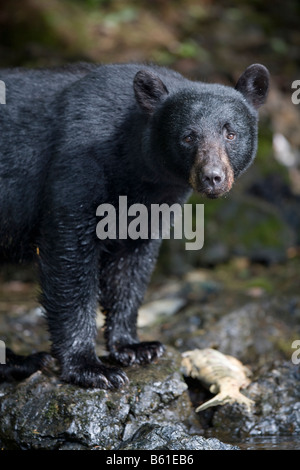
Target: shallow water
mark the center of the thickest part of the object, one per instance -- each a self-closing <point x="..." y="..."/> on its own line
<point x="269" y="443"/>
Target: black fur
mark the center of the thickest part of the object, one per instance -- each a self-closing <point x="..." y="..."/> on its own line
<point x="77" y="137"/>
<point x="19" y="367"/>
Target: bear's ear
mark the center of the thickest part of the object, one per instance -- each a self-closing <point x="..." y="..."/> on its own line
<point x="254" y="84"/>
<point x="149" y="90"/>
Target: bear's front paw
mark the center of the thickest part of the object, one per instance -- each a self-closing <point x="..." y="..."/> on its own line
<point x="95" y="375"/>
<point x="20" y="367"/>
<point x="138" y="353"/>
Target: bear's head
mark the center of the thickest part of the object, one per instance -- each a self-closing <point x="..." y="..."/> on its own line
<point x="204" y="135"/>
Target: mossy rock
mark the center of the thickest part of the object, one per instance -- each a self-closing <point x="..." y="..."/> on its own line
<point x="44" y="413"/>
<point x="239" y="225"/>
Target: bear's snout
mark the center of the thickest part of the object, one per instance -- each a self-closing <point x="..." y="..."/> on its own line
<point x="213" y="178"/>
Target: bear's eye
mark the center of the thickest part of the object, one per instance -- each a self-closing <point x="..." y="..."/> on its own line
<point x="230" y="135"/>
<point x="188" y="139"/>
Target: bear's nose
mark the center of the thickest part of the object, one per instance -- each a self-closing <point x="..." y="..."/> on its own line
<point x="213" y="177"/>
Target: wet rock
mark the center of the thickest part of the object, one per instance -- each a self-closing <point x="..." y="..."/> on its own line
<point x="43" y="413"/>
<point x="153" y="436"/>
<point x="245" y="225"/>
<point x="256" y="333"/>
<point x="155" y="410"/>
<point x="153" y="311"/>
<point x="274" y="189"/>
<point x="249" y="227"/>
<point x="276" y="395"/>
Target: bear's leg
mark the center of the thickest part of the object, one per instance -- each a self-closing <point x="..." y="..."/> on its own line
<point x="69" y="282"/>
<point x="122" y="288"/>
<point x="19" y="367"/>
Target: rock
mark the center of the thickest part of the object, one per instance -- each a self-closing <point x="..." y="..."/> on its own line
<point x="277" y="406"/>
<point x="43" y="413"/>
<point x="153" y="311"/>
<point x="256" y="333"/>
<point x="153" y="436"/>
<point x="245" y="225"/>
<point x="154" y="411"/>
<point x="273" y="189"/>
<point x="249" y="227"/>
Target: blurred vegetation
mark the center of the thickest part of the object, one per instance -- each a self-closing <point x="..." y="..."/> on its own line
<point x="193" y="35"/>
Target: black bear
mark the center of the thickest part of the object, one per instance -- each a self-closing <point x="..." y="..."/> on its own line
<point x="76" y="137"/>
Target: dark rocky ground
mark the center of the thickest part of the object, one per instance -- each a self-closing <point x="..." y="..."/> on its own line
<point x="240" y="314"/>
<point x="153" y="412"/>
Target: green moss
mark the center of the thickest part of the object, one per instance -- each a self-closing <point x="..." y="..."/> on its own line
<point x="266" y="232"/>
<point x="53" y="412"/>
<point x="265" y="161"/>
<point x="262" y="282"/>
<point x="111" y="405"/>
<point x="284" y="345"/>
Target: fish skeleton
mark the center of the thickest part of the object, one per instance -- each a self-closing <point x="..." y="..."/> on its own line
<point x="222" y="374"/>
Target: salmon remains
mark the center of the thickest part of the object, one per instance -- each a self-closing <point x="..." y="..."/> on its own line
<point x="222" y="375"/>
